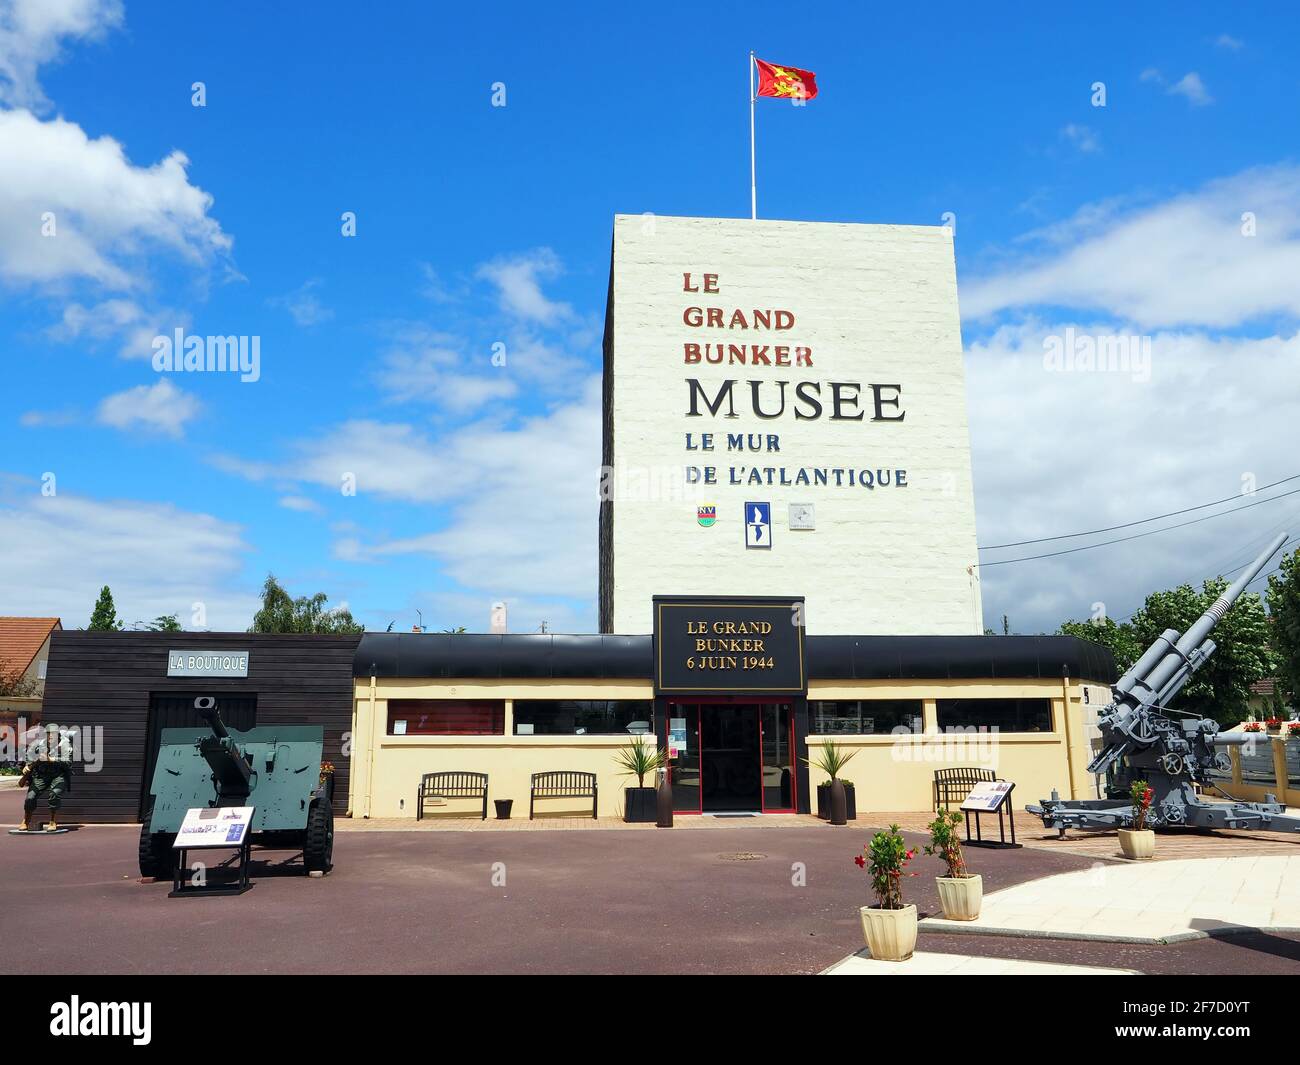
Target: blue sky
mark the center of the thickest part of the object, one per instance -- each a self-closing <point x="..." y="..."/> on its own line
<point x="479" y="225"/>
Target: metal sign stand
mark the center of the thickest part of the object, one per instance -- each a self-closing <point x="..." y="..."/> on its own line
<point x="1001" y="841"/>
<point x="180" y="874"/>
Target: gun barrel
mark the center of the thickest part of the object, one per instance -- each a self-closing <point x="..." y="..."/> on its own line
<point x="1230" y="739"/>
<point x="1177" y="659"/>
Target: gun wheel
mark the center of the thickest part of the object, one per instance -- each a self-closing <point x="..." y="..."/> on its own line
<point x="155" y="850"/>
<point x="318" y="844"/>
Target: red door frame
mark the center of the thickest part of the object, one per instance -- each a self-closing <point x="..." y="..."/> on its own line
<point x="737" y="700"/>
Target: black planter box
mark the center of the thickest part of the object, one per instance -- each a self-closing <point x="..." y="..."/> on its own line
<point x="639" y="805"/>
<point x="824" y="801"/>
<point x="503" y="808"/>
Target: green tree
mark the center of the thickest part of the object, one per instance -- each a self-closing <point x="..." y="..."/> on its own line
<point x="1221" y="688"/>
<point x="104" y="617"/>
<point x="1284" y="610"/>
<point x="162" y="623"/>
<point x="1118" y="637"/>
<point x="282" y="613"/>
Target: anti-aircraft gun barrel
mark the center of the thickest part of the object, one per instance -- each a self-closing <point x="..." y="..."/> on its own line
<point x="1192" y="648"/>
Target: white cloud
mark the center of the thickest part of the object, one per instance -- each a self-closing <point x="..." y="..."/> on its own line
<point x="303" y="305"/>
<point x="159" y="408"/>
<point x="524" y="522"/>
<point x="1192" y="88"/>
<point x="32" y="33"/>
<point x="1057" y="452"/>
<point x="1185" y="261"/>
<point x="1082" y="137"/>
<point x="518" y="280"/>
<point x="1233" y="44"/>
<point x="522" y="499"/>
<point x="108" y="215"/>
<point x="1189" y="86"/>
<point x="301" y="504"/>
<point x="427" y="366"/>
<point x="132" y="326"/>
<point x="60" y="550"/>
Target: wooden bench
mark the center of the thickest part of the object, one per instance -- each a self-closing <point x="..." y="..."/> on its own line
<point x="459" y="785"/>
<point x="955" y="784"/>
<point x="564" y="784"/>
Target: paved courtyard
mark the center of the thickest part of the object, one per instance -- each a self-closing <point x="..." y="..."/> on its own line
<point x="736" y="897"/>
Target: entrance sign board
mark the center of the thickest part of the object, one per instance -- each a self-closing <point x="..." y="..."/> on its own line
<point x="729" y="644"/>
<point x="222" y="826"/>
<point x="207" y="663"/>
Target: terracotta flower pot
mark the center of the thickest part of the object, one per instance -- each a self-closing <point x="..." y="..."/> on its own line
<point x="1137" y="844"/>
<point x="890" y="934"/>
<point x="961" y="896"/>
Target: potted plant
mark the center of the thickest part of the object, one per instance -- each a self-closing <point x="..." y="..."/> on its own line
<point x="1139" y="841"/>
<point x="961" y="892"/>
<point x="831" y="761"/>
<point x="1274" y="724"/>
<point x="1293" y="729"/>
<point x="639" y="759"/>
<point x="1252" y="726"/>
<point x="889" y="927"/>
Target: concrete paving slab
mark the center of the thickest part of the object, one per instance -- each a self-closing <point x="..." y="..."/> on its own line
<point x="925" y="964"/>
<point x="1168" y="902"/>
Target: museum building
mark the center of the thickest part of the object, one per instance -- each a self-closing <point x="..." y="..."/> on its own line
<point x="787" y="557"/>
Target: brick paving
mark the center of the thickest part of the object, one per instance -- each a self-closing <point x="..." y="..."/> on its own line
<point x="1104" y="846"/>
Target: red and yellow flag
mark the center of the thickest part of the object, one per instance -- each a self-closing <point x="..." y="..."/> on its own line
<point x="789" y="83"/>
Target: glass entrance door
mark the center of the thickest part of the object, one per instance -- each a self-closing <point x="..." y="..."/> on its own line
<point x="730" y="776"/>
<point x="777" y="742"/>
<point x="738" y="758"/>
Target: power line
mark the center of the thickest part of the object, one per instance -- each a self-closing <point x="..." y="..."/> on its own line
<point x="1143" y="521"/>
<point x="1138" y="536"/>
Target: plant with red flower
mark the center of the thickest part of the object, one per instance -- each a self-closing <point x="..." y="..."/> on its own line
<point x="945" y="841"/>
<point x="1293" y="728"/>
<point x="885" y="858"/>
<point x="1252" y="726"/>
<point x="1274" y="723"/>
<point x="1141" y="794"/>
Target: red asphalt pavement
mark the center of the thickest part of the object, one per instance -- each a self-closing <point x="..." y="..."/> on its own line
<point x="573" y="902"/>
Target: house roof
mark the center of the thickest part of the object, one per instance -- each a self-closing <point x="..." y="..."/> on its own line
<point x="21" y="640"/>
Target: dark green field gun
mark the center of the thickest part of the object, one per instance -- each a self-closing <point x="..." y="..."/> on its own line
<point x="274" y="768"/>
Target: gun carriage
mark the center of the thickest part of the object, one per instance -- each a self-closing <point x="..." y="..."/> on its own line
<point x="274" y="768"/>
<point x="1173" y="751"/>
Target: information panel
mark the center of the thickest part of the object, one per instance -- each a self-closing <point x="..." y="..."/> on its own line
<point x="223" y="826"/>
<point x="728" y="644"/>
<point x="987" y="796"/>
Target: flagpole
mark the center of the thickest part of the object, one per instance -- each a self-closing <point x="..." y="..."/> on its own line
<point x="753" y="184"/>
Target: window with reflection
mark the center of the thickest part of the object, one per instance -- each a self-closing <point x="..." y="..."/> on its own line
<point x="863" y="717"/>
<point x="1004" y="715"/>
<point x="584" y="717"/>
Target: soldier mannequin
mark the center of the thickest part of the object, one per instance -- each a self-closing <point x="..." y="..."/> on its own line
<point x="48" y="772"/>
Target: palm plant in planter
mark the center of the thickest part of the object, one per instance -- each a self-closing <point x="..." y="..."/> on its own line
<point x="1139" y="841"/>
<point x="831" y="761"/>
<point x="639" y="759"/>
<point x="961" y="892"/>
<point x="889" y="927"/>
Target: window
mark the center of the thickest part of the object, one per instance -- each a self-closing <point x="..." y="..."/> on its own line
<point x="1005" y="715"/>
<point x="863" y="717"/>
<point x="569" y="717"/>
<point x="446" y="717"/>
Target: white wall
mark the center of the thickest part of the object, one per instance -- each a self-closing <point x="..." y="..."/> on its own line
<point x="876" y="304"/>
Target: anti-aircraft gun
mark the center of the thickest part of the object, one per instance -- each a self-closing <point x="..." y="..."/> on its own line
<point x="274" y="768"/>
<point x="1142" y="741"/>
